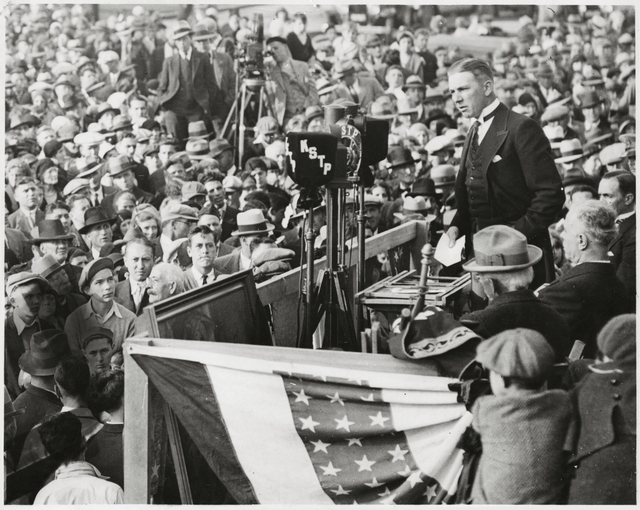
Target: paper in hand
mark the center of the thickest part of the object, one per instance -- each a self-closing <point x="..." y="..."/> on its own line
<point x="449" y="256"/>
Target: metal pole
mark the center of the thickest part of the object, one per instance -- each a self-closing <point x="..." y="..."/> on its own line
<point x="241" y="127"/>
<point x="362" y="273"/>
<point x="309" y="237"/>
<point x="340" y="241"/>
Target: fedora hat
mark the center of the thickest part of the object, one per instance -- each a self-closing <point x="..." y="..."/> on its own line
<point x="218" y="146"/>
<point x="45" y="266"/>
<point x="423" y="187"/>
<point x="404" y="106"/>
<point x="121" y="122"/>
<point x="570" y="150"/>
<point x="499" y="248"/>
<point x="95" y="216"/>
<point x="399" y="156"/>
<point x="46" y="350"/>
<point x="202" y="33"/>
<point x="252" y="222"/>
<point x="313" y="112"/>
<point x="343" y="68"/>
<point x="443" y="175"/>
<point x="88" y="138"/>
<point x="414" y="82"/>
<point x="88" y="166"/>
<point x="104" y="108"/>
<point x="576" y="175"/>
<point x="67" y="133"/>
<point x="589" y="99"/>
<point x="381" y="111"/>
<point x="198" y="149"/>
<point x="182" y="30"/>
<point x="49" y="230"/>
<point x="75" y="185"/>
<point x="555" y="112"/>
<point x="324" y="86"/>
<point x="197" y="130"/>
<point x="119" y="165"/>
<point x="414" y="205"/>
<point x="555" y="135"/>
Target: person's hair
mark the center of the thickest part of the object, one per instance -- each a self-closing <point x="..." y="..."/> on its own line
<point x="598" y="220"/>
<point x="584" y="188"/>
<point x="261" y="196"/>
<point x="122" y="193"/>
<point x="108" y="388"/>
<point x="144" y="242"/>
<point x="127" y="134"/>
<point x="146" y="215"/>
<point x="61" y="436"/>
<point x="479" y="68"/>
<point x="277" y="201"/>
<point x="422" y="31"/>
<point x="626" y="181"/>
<point x="26" y="180"/>
<point x="300" y="15"/>
<point x="210" y="175"/>
<point x="72" y="199"/>
<point x="512" y="280"/>
<point x="255" y="204"/>
<point x="58" y="204"/>
<point x="523" y="384"/>
<point x="173" y="189"/>
<point x="73" y="376"/>
<point x="201" y="230"/>
<point x="173" y="274"/>
<point x="210" y="210"/>
<point x="90" y="339"/>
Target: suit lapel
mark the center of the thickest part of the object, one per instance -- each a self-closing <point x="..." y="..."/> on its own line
<point x="625" y="226"/>
<point x="195" y="64"/>
<point x="495" y="137"/>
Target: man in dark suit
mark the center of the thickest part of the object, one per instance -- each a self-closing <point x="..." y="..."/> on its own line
<point x="28" y="215"/>
<point x="590" y="293"/>
<point x="359" y="89"/>
<point x="121" y="171"/>
<point x="618" y="189"/>
<point x="507" y="174"/>
<point x="187" y="85"/>
<point x="138" y="258"/>
<point x="228" y="214"/>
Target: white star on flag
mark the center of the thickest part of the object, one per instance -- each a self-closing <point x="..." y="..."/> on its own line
<point x="320" y="446"/>
<point x="398" y="453"/>
<point x="330" y="470"/>
<point x="387" y="501"/>
<point x="309" y="424"/>
<point x="301" y="397"/>
<point x="414" y="479"/>
<point x="344" y="423"/>
<point x="374" y="483"/>
<point x="368" y="399"/>
<point x="365" y="464"/>
<point x="406" y="471"/>
<point x="354" y="440"/>
<point x="430" y="492"/>
<point x="378" y="419"/>
<point x="340" y="491"/>
<point x="335" y="398"/>
<point x="385" y="493"/>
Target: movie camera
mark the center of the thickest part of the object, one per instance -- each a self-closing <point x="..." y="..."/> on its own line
<point x="336" y="160"/>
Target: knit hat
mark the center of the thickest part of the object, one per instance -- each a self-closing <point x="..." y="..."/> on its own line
<point x="617" y="339"/>
<point x="92" y="269"/>
<point x="521" y="353"/>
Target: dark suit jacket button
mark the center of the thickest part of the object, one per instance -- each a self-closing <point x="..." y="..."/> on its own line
<point x="617" y="396"/>
<point x="615" y="382"/>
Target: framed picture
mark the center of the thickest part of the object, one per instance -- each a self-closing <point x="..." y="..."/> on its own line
<point x="227" y="310"/>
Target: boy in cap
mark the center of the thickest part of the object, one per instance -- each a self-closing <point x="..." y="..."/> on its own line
<point x="98" y="282"/>
<point x="522" y="426"/>
<point x="97" y="349"/>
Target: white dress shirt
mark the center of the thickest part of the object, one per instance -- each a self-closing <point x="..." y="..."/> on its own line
<point x="485" y="124"/>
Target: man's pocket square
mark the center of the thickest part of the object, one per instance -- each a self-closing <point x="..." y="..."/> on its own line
<point x="496" y="159"/>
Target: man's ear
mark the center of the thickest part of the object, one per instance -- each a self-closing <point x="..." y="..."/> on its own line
<point x="172" y="288"/>
<point x="487" y="285"/>
<point x="629" y="199"/>
<point x="583" y="242"/>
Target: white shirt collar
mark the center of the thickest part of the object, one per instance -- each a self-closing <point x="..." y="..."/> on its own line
<point x="245" y="262"/>
<point x="188" y="55"/>
<point x="198" y="276"/>
<point x="113" y="311"/>
<point x="489" y="109"/>
<point x="625" y="216"/>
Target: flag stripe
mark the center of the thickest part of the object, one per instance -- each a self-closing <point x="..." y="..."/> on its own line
<point x="418" y="397"/>
<point x="258" y="419"/>
<point x="321" y="369"/>
<point x="412" y="417"/>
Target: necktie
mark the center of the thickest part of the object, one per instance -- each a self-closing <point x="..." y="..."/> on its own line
<point x="205" y="277"/>
<point x="354" y="94"/>
<point x="96" y="199"/>
<point x="473" y="133"/>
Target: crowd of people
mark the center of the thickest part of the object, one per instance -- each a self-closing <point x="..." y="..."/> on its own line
<point x="126" y="185"/>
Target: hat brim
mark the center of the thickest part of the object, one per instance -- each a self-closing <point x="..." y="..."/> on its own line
<point x="181" y="34"/>
<point x="569" y="159"/>
<point x="38" y="240"/>
<point x="238" y="233"/>
<point x="535" y="254"/>
<point x="28" y="365"/>
<point x="86" y="228"/>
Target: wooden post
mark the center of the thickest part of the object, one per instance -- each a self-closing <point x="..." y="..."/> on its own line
<point x="136" y="432"/>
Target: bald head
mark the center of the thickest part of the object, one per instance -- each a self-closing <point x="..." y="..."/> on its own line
<point x="165" y="280"/>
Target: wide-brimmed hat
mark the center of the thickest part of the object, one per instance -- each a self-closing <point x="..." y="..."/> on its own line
<point x="45" y="266"/>
<point x="576" y="175"/>
<point x="95" y="216"/>
<point x="414" y="82"/>
<point x="399" y="156"/>
<point x="381" y="111"/>
<point x="374" y="200"/>
<point x="252" y="222"/>
<point x="613" y="153"/>
<point x="197" y="130"/>
<point x="182" y="30"/>
<point x="405" y="107"/>
<point x="218" y="146"/>
<point x="19" y="121"/>
<point x="75" y="185"/>
<point x="202" y="33"/>
<point x="88" y="166"/>
<point x="67" y="133"/>
<point x="414" y="204"/>
<point x="570" y="150"/>
<point x="555" y="112"/>
<point x="423" y="187"/>
<point x="313" y="112"/>
<point x="499" y="249"/>
<point x="46" y="350"/>
<point x="119" y="165"/>
<point x="49" y="230"/>
<point x="443" y="175"/>
<point x="589" y="99"/>
<point x="324" y="86"/>
<point x="121" y="122"/>
<point x="198" y="149"/>
<point x="104" y="108"/>
<point x="343" y="68"/>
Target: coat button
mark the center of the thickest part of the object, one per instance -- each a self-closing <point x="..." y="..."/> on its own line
<point x="615" y="382"/>
<point x="617" y="396"/>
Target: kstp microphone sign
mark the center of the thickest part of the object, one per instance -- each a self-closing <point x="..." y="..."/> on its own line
<point x="311" y="158"/>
